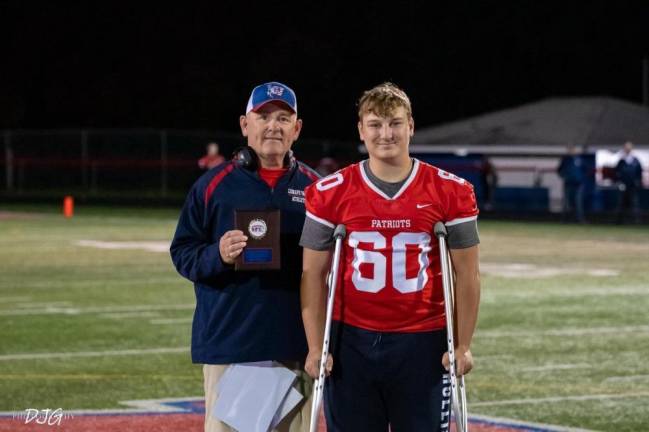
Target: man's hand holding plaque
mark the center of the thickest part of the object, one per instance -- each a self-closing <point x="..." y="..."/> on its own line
<point x="255" y="243"/>
<point x="231" y="245"/>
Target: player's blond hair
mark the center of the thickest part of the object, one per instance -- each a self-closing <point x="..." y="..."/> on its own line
<point x="383" y="100"/>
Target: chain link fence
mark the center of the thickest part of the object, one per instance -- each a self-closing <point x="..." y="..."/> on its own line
<point x="126" y="164"/>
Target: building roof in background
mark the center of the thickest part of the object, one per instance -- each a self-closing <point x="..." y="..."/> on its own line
<point x="585" y="122"/>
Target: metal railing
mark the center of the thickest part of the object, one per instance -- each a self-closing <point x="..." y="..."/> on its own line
<point x="131" y="162"/>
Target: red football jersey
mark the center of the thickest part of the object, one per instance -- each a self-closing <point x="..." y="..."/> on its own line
<point x="390" y="276"/>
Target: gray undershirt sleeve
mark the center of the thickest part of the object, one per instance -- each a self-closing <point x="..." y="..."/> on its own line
<point x="316" y="236"/>
<point x="463" y="235"/>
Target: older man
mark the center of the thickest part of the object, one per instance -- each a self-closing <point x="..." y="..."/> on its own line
<point x="245" y="315"/>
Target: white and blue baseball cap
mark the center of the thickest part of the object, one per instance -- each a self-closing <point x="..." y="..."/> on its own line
<point x="271" y="92"/>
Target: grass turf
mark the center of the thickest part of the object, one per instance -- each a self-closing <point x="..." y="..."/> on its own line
<point x="556" y="343"/>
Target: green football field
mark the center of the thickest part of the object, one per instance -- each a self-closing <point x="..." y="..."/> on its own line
<point x="92" y="313"/>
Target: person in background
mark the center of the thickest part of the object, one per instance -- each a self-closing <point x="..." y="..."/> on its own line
<point x="628" y="174"/>
<point x="212" y="157"/>
<point x="248" y="315"/>
<point x="489" y="181"/>
<point x="326" y="166"/>
<point x="572" y="171"/>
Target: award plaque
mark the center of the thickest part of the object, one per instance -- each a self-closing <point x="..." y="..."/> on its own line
<point x="263" y="246"/>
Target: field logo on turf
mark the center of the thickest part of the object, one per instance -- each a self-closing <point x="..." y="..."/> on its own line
<point x="46" y="416"/>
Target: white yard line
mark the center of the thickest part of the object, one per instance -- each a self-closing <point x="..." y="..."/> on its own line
<point x="37" y="356"/>
<point x="78" y="281"/>
<point x="570" y="331"/>
<point x="558" y="399"/>
<point x="533" y="271"/>
<point x="574" y="293"/>
<point x="624" y="378"/>
<point x="95" y="310"/>
<point x="163" y="321"/>
<point x="554" y="367"/>
<point x="137" y="314"/>
<point x="497" y="358"/>
<point x="149" y="246"/>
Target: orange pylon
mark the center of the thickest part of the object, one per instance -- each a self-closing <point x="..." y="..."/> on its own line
<point x="68" y="206"/>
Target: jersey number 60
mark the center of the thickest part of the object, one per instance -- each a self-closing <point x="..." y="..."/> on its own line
<point x="399" y="244"/>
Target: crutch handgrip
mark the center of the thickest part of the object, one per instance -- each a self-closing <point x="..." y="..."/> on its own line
<point x="440" y="230"/>
<point x="340" y="232"/>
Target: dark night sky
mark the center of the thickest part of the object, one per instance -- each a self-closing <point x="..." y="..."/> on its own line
<point x="112" y="64"/>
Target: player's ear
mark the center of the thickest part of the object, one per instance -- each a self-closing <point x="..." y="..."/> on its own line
<point x="243" y="122"/>
<point x="360" y="130"/>
<point x="411" y="124"/>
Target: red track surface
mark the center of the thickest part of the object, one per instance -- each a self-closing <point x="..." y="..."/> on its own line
<point x="112" y="423"/>
<point x="191" y="421"/>
<point x="151" y="422"/>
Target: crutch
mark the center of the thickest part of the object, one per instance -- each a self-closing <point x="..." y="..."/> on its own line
<point x="332" y="279"/>
<point x="458" y="390"/>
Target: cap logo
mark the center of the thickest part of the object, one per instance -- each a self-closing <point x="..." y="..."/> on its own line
<point x="271" y="91"/>
<point x="275" y="91"/>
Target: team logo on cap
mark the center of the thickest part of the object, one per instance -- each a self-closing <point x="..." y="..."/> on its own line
<point x="257" y="228"/>
<point x="275" y="91"/>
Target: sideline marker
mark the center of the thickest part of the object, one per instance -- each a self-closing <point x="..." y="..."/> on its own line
<point x="68" y="206"/>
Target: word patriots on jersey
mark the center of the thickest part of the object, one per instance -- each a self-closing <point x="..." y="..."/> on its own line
<point x="391" y="223"/>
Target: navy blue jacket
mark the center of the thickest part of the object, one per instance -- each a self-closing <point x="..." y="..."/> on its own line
<point x="242" y="316"/>
<point x="629" y="173"/>
<point x="572" y="170"/>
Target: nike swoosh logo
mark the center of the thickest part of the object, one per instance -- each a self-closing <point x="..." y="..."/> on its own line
<point x="421" y="206"/>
